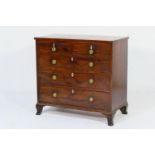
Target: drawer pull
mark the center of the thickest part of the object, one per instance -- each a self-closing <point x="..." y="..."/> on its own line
<point x="53" y="48"/>
<point x="91" y="99"/>
<point x="91" y="51"/>
<point x="54" y="94"/>
<point x="54" y="77"/>
<point x="72" y="74"/>
<point x="91" y="81"/>
<point x="91" y="64"/>
<point x="54" y="62"/>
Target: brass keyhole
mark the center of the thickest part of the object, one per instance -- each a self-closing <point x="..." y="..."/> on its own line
<point x="73" y="91"/>
<point x="72" y="74"/>
<point x="72" y="59"/>
<point x="91" y="99"/>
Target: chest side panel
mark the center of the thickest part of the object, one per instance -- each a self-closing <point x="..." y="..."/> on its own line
<point x="119" y="74"/>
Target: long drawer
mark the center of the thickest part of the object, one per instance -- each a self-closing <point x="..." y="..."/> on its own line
<point x="82" y="98"/>
<point x="92" y="81"/>
<point x="65" y="63"/>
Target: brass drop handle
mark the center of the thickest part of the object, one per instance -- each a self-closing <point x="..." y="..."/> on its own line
<point x="53" y="61"/>
<point x="91" y="64"/>
<point x="54" y="94"/>
<point x="91" y="51"/>
<point x="91" y="81"/>
<point x="54" y="48"/>
<point x="91" y="99"/>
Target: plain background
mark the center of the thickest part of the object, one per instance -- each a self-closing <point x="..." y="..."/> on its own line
<point x="18" y="80"/>
<point x="77" y="13"/>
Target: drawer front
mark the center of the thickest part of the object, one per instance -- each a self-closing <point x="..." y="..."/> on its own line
<point x="52" y="47"/>
<point x="79" y="65"/>
<point x="96" y="82"/>
<point x="54" y="62"/>
<point x="98" y="51"/>
<point x="64" y="95"/>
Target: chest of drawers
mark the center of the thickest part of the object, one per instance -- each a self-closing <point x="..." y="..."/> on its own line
<point x="82" y="72"/>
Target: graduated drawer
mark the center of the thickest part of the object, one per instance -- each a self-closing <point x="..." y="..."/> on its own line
<point x="81" y="65"/>
<point x="92" y="81"/>
<point x="79" y="98"/>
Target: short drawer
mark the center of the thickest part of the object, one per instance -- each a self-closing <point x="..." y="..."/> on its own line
<point x="63" y="95"/>
<point x="99" y="51"/>
<point x="53" y="47"/>
<point x="92" y="81"/>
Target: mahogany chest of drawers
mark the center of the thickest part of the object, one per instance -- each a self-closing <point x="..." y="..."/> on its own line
<point x="82" y="72"/>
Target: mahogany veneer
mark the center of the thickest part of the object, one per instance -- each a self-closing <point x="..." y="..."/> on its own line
<point x="82" y="72"/>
